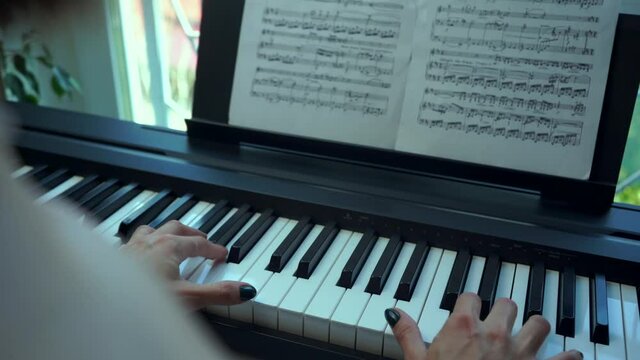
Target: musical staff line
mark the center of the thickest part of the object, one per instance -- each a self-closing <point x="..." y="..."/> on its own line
<point x="538" y="14"/>
<point x="331" y="39"/>
<point x="372" y="71"/>
<point x="380" y="5"/>
<point x="505" y="27"/>
<point x="324" y="77"/>
<point x="333" y="105"/>
<point x="335" y="16"/>
<point x="584" y="4"/>
<point x="510" y="60"/>
<point x="500" y="45"/>
<point x="323" y="52"/>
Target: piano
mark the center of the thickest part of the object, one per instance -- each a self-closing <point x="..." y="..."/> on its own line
<point x="332" y="234"/>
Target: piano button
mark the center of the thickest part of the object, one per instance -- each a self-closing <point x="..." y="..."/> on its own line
<point x="174" y="211"/>
<point x="566" y="303"/>
<point x="582" y="339"/>
<point x="75" y="193"/>
<point x="142" y="216"/>
<point x="554" y="343"/>
<point x="317" y="316"/>
<point x="370" y="330"/>
<point x="188" y="266"/>
<point x="385" y="265"/>
<point x="235" y="271"/>
<point x="258" y="275"/>
<point x="212" y="217"/>
<point x="413" y="307"/>
<point x="358" y="258"/>
<point x="631" y="320"/>
<point x="457" y="280"/>
<point x="414" y="268"/>
<point x="55" y="178"/>
<point x="291" y="309"/>
<point x="475" y="274"/>
<point x="615" y="349"/>
<point x="248" y="240"/>
<point x="117" y="200"/>
<point x="231" y="228"/>
<point x="316" y="252"/>
<point x="39" y="172"/>
<point x="599" y="313"/>
<point x="535" y="291"/>
<point x="266" y="303"/>
<point x="505" y="280"/>
<point x="58" y="190"/>
<point x="519" y="294"/>
<point x="342" y="328"/>
<point x="283" y="253"/>
<point x="109" y="226"/>
<point x="96" y="195"/>
<point x="489" y="285"/>
<point x="21" y="172"/>
<point x="433" y="317"/>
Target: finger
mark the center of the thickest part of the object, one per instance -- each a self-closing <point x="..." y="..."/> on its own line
<point x="568" y="355"/>
<point x="175" y="227"/>
<point x="407" y="333"/>
<point x="220" y="293"/>
<point x="502" y="316"/>
<point x="468" y="303"/>
<point x="183" y="247"/>
<point x="531" y="336"/>
<point x="142" y="231"/>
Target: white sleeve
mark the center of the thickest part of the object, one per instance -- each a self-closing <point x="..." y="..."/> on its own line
<point x="64" y="294"/>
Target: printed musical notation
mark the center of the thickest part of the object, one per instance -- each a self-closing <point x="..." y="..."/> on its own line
<point x="310" y="63"/>
<point x="508" y="77"/>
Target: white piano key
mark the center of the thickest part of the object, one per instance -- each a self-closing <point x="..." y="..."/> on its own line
<point x="265" y="304"/>
<point x="23" y="170"/>
<point x="291" y="310"/>
<point x="258" y="275"/>
<point x="199" y="263"/>
<point x="370" y="330"/>
<point x="413" y="307"/>
<point x="433" y="318"/>
<point x="207" y="272"/>
<point x="616" y="348"/>
<point x="342" y="329"/>
<point x="582" y="340"/>
<point x="109" y="227"/>
<point x="554" y="343"/>
<point x="475" y="274"/>
<point x="519" y="294"/>
<point x="505" y="280"/>
<point x="318" y="314"/>
<point x="188" y="266"/>
<point x="48" y="196"/>
<point x="631" y="321"/>
<point x="235" y="272"/>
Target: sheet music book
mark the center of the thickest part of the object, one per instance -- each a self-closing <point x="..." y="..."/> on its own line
<point x="510" y="83"/>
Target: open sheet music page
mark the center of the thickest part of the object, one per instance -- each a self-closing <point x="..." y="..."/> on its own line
<point x="511" y="83"/>
<point x="331" y="69"/>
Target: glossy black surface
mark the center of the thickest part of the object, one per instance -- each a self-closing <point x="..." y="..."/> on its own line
<point x="411" y="274"/>
<point x="285" y="250"/>
<point x="250" y="238"/>
<point x="356" y="261"/>
<point x="114" y="202"/>
<point x="55" y="178"/>
<point x="457" y="280"/>
<point x="78" y="190"/>
<point x="231" y="227"/>
<point x="145" y="214"/>
<point x="385" y="264"/>
<point x="174" y="211"/>
<point x="535" y="291"/>
<point x="213" y="216"/>
<point x="599" y="313"/>
<point x="566" y="315"/>
<point x="316" y="251"/>
<point x="98" y="194"/>
<point x="489" y="284"/>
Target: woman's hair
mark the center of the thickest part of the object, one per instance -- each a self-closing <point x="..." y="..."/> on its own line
<point x="8" y="8"/>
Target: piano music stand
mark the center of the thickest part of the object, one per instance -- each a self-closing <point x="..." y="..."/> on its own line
<point x="220" y="33"/>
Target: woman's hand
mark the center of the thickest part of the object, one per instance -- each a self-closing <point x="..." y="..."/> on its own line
<point x="465" y="337"/>
<point x="172" y="243"/>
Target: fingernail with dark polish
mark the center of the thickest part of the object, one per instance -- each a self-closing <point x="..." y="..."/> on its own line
<point x="392" y="317"/>
<point x="247" y="292"/>
<point x="580" y="355"/>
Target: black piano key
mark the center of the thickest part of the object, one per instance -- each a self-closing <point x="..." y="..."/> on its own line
<point x="248" y="240"/>
<point x="143" y="215"/>
<point x="232" y="226"/>
<point x="78" y="190"/>
<point x="457" y="280"/>
<point x="355" y="263"/>
<point x="382" y="270"/>
<point x="316" y="251"/>
<point x="535" y="291"/>
<point x="40" y="172"/>
<point x="599" y="310"/>
<point x="98" y="194"/>
<point x="283" y="253"/>
<point x="117" y="200"/>
<point x="28" y="174"/>
<point x="566" y="317"/>
<point x="55" y="178"/>
<point x="638" y="294"/>
<point x="412" y="272"/>
<point x="212" y="217"/>
<point x="174" y="211"/>
<point x="489" y="285"/>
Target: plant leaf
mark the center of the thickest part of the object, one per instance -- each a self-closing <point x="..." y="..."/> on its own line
<point x="45" y="61"/>
<point x="31" y="99"/>
<point x="33" y="81"/>
<point x="57" y="87"/>
<point x="20" y="63"/>
<point x="15" y="85"/>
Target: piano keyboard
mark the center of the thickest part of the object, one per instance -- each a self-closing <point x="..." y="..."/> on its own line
<point x="321" y="282"/>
